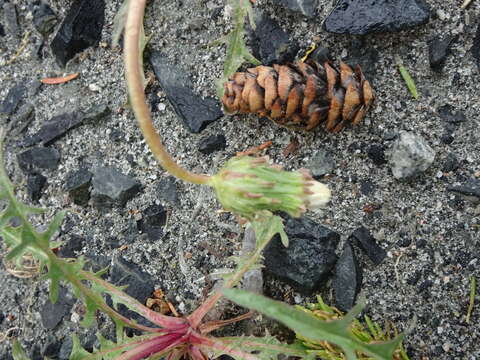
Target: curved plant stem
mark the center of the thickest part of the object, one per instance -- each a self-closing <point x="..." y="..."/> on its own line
<point x="133" y="70"/>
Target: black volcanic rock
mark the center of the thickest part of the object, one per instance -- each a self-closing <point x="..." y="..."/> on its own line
<point x="81" y="28"/>
<point x="212" y="143"/>
<point x="35" y="186"/>
<point x="360" y="17"/>
<point x="470" y="189"/>
<point x="51" y="314"/>
<point x="368" y="244"/>
<point x="309" y="257"/>
<point x="195" y="112"/>
<point x="347" y="278"/>
<point x="476" y="46"/>
<point x="112" y="188"/>
<point x="153" y="221"/>
<point x="55" y="128"/>
<point x="44" y="19"/>
<point x="140" y="285"/>
<point x="78" y="186"/>
<point x="270" y="43"/>
<point x="38" y="158"/>
<point x="13" y="98"/>
<point x="438" y="50"/>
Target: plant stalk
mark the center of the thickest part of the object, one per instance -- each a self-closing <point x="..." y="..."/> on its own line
<point x="136" y="94"/>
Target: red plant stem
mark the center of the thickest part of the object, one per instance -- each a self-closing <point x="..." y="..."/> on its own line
<point x="170" y="322"/>
<point x="196" y="317"/>
<point x="153" y="346"/>
<point x="136" y="10"/>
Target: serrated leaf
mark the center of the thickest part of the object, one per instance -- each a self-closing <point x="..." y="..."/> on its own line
<point x="265" y="348"/>
<point x="237" y="51"/>
<point x="312" y="328"/>
<point x="119" y="23"/>
<point x="266" y="226"/>
<point x="54" y="226"/>
<point x="17" y="351"/>
<point x="78" y="352"/>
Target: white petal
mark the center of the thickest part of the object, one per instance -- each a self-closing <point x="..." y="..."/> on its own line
<point x="320" y="197"/>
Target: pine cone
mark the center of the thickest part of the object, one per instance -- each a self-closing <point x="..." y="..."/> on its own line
<point x="301" y="95"/>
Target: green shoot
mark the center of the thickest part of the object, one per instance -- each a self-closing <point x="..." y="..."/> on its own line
<point x="471" y="303"/>
<point x="408" y="79"/>
<point x="237" y="51"/>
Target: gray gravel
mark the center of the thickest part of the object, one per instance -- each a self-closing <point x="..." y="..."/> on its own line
<point x="426" y="277"/>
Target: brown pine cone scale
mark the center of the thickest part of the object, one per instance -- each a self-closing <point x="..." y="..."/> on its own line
<point x="301" y="95"/>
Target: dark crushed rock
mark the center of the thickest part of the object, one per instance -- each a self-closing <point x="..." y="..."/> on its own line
<point x="212" y="143"/>
<point x="195" y="112"/>
<point x="35" y="185"/>
<point x="96" y="113"/>
<point x="10" y="18"/>
<point x="51" y="347"/>
<point x="321" y="55"/>
<point x="368" y="244"/>
<point x="59" y="125"/>
<point x="38" y="158"/>
<point x="410" y="155"/>
<point x="347" y="278"/>
<point x="471" y="189"/>
<point x="367" y="187"/>
<point x="309" y="258"/>
<point x="405" y="241"/>
<point x="376" y="153"/>
<point x="13" y="98"/>
<point x="270" y="43"/>
<point x="167" y="190"/>
<point x="476" y="46"/>
<point x="360" y="17"/>
<point x="52" y="314"/>
<point x="74" y="244"/>
<point x="438" y="50"/>
<point x="153" y="221"/>
<point x="23" y="117"/>
<point x="140" y="285"/>
<point x="33" y="87"/>
<point x="451" y="163"/>
<point x="65" y="348"/>
<point x="77" y="184"/>
<point x="305" y="7"/>
<point x="44" y="18"/>
<point x="81" y="28"/>
<point x="447" y="139"/>
<point x="112" y="188"/>
<point x="54" y="129"/>
<point x="321" y="164"/>
<point x="447" y="112"/>
<point x="365" y="56"/>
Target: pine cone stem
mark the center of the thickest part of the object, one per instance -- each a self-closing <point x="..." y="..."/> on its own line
<point x="301" y="95"/>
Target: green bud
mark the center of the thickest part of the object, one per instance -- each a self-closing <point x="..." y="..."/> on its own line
<point x="247" y="185"/>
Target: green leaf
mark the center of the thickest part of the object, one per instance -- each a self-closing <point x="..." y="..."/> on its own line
<point x="17" y="351"/>
<point x="266" y="226"/>
<point x="312" y="328"/>
<point x="408" y="80"/>
<point x="264" y="348"/>
<point x="78" y="352"/>
<point x="237" y="52"/>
